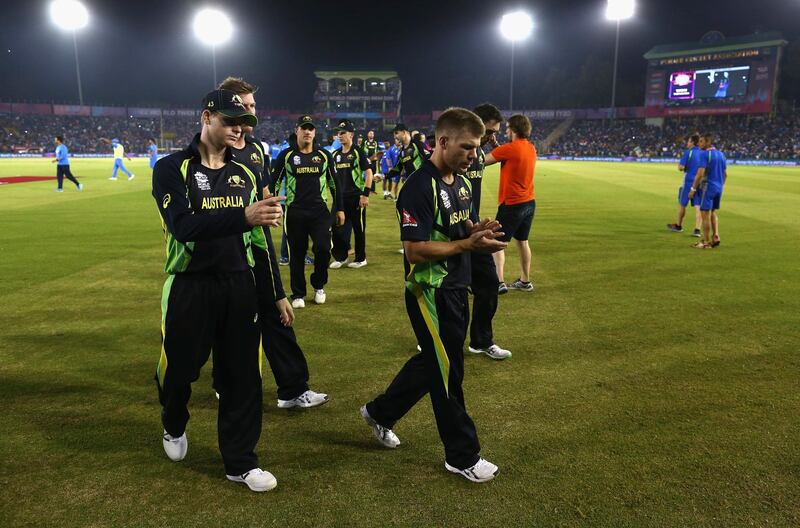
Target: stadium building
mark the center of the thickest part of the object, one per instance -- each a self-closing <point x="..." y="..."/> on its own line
<point x="371" y="99"/>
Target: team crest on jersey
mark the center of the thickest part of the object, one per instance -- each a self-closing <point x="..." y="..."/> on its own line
<point x="236" y="181"/>
<point x="350" y="156"/>
<point x="408" y="220"/>
<point x="255" y="158"/>
<point x="296" y="160"/>
<point x="445" y="199"/>
<point x="463" y="194"/>
<point x="202" y="181"/>
<point x="316" y="159"/>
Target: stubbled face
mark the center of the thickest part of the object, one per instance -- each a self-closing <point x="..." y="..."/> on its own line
<point x="305" y="135"/>
<point x="459" y="151"/>
<point x="403" y="136"/>
<point x="492" y="129"/>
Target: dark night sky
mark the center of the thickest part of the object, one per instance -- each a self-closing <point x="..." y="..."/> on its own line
<point x="447" y="52"/>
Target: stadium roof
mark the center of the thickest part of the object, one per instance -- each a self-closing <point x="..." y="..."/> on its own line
<point x="714" y="42"/>
<point x="383" y="75"/>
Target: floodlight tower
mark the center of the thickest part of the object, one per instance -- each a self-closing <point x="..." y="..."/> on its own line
<point x="516" y="26"/>
<point x="213" y="28"/>
<point x="617" y="10"/>
<point x="71" y="15"/>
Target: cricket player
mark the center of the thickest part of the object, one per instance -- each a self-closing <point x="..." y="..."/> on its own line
<point x="439" y="229"/>
<point x="213" y="217"/>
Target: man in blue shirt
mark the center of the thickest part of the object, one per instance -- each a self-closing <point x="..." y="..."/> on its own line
<point x="391" y="156"/>
<point x="709" y="181"/>
<point x="62" y="165"/>
<point x="152" y="151"/>
<point x="690" y="162"/>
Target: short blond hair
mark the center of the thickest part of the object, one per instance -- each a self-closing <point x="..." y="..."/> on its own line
<point x="459" y="119"/>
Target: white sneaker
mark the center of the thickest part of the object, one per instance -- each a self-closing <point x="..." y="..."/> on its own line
<point x="494" y="352"/>
<point x="384" y="435"/>
<point x="357" y="264"/>
<point x="482" y="471"/>
<point x="132" y="176"/>
<point x="336" y="264"/>
<point x="256" y="479"/>
<point x="175" y="448"/>
<point x="112" y="178"/>
<point x="298" y="303"/>
<point x="308" y="399"/>
<point x="319" y="296"/>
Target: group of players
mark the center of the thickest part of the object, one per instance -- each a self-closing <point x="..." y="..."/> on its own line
<point x="224" y="293"/>
<point x="705" y="173"/>
<point x="63" y="170"/>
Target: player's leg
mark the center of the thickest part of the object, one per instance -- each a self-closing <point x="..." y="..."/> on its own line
<point x="187" y="324"/>
<point x="456" y="429"/>
<point x="117" y="163"/>
<point x="294" y="226"/>
<point x="70" y="177"/>
<point x="484" y="306"/>
<point x="526" y="212"/>
<point x="715" y="220"/>
<point x="60" y="177"/>
<point x="124" y="169"/>
<point x="237" y="370"/>
<point x="320" y="232"/>
<point x="410" y="384"/>
<point x="340" y="236"/>
<point x="359" y="221"/>
<point x="681" y="215"/>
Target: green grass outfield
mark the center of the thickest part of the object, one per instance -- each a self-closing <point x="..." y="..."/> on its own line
<point x="651" y="384"/>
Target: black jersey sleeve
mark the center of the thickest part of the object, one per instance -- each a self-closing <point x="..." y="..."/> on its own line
<point x="330" y="177"/>
<point x="169" y="192"/>
<point x="415" y="208"/>
<point x="278" y="171"/>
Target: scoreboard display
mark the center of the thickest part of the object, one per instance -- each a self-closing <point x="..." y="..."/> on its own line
<point x="710" y="82"/>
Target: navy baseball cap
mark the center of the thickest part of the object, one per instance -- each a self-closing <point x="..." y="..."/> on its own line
<point x="346" y="125"/>
<point x="229" y="104"/>
<point x="306" y="120"/>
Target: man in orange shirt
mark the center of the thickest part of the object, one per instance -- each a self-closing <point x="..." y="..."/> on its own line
<point x="516" y="198"/>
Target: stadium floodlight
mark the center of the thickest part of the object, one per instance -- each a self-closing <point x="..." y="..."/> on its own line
<point x="515" y="26"/>
<point x="617" y="10"/>
<point x="71" y="15"/>
<point x="213" y="28"/>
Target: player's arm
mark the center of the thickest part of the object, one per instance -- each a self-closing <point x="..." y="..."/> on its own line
<point x="683" y="162"/>
<point x="501" y="153"/>
<point x="169" y="191"/>
<point x="278" y="171"/>
<point x="266" y="271"/>
<point x="483" y="239"/>
<point x="336" y="195"/>
<point x="363" y="201"/>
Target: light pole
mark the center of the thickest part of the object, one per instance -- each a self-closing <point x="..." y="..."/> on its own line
<point x="212" y="27"/>
<point x="515" y="26"/>
<point x="617" y="10"/>
<point x="71" y="15"/>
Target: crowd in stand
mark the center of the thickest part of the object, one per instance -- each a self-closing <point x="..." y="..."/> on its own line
<point x="738" y="136"/>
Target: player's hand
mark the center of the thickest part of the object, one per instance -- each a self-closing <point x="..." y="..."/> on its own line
<point x="485" y="241"/>
<point x="339" y="218"/>
<point x="53" y="161"/>
<point x="486" y="224"/>
<point x="363" y="202"/>
<point x="691" y="194"/>
<point x="286" y="311"/>
<point x="266" y="212"/>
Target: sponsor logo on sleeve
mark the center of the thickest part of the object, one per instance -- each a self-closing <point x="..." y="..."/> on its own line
<point x="408" y="220"/>
<point x="166" y="201"/>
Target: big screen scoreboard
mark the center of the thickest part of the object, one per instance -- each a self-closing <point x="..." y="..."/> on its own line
<point x="738" y="82"/>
